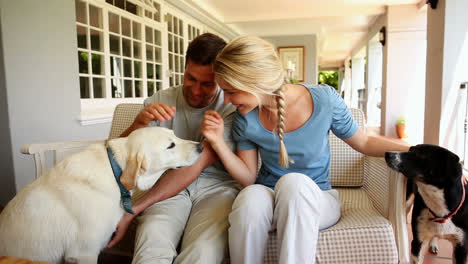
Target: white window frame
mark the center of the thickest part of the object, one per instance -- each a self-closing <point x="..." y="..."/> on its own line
<point x="100" y="110"/>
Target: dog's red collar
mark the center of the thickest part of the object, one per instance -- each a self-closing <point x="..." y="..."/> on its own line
<point x="443" y="219"/>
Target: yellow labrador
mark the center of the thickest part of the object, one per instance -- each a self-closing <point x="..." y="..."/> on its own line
<point x="72" y="210"/>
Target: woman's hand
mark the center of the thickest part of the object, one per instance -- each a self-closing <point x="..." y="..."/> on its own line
<point x="213" y="127"/>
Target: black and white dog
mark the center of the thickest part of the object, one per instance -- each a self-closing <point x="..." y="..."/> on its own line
<point x="439" y="208"/>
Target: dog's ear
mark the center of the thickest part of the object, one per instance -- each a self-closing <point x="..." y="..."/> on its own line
<point x="136" y="165"/>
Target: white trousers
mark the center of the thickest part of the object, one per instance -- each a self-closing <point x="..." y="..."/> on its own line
<point x="297" y="209"/>
<point x="198" y="214"/>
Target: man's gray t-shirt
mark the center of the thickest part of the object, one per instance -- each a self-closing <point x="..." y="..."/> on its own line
<point x="187" y="122"/>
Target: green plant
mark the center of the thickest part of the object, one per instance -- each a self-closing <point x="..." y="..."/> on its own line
<point x="401" y="121"/>
<point x="329" y="77"/>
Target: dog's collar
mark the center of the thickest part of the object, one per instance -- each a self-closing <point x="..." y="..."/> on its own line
<point x="124" y="193"/>
<point x="443" y="219"/>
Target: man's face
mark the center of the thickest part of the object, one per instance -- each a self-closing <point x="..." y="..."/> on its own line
<point x="199" y="84"/>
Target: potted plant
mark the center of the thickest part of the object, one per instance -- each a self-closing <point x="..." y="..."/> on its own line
<point x="401" y="127"/>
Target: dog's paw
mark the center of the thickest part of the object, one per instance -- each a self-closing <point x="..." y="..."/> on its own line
<point x="434" y="249"/>
<point x="434" y="245"/>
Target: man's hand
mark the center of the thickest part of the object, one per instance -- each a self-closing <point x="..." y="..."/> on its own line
<point x="155" y="111"/>
<point x="213" y="127"/>
<point x="121" y="229"/>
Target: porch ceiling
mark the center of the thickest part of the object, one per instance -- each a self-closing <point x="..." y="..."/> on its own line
<point x="338" y="24"/>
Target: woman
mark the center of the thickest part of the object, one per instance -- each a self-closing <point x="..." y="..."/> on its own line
<point x="289" y="125"/>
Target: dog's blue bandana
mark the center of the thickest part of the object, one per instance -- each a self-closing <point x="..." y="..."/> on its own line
<point x="124" y="193"/>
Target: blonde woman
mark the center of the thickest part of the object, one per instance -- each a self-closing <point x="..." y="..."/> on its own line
<point x="289" y="125"/>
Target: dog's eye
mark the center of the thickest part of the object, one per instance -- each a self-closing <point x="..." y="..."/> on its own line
<point x="171" y="146"/>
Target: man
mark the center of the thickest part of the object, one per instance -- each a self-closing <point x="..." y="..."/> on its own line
<point x="192" y="203"/>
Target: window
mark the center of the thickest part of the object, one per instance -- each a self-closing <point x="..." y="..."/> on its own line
<point x="127" y="50"/>
<point x="90" y="41"/>
<point x="125" y="45"/>
<point x="175" y="46"/>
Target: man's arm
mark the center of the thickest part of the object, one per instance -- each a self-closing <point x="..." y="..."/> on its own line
<point x="169" y="185"/>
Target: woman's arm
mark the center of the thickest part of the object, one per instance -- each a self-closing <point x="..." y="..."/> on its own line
<point x="243" y="166"/>
<point x="374" y="145"/>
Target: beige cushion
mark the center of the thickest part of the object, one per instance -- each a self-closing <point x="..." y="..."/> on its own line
<point x="361" y="236"/>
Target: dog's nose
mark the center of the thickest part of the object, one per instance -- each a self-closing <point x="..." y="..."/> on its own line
<point x="200" y="148"/>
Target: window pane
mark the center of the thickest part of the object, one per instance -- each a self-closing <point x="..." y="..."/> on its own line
<point x="114" y="23"/>
<point x="120" y="4"/>
<point x="97" y="64"/>
<point x="81" y="33"/>
<point x="131" y="7"/>
<point x="126" y="27"/>
<point x="149" y="35"/>
<point x="181" y="61"/>
<point x="127" y="65"/>
<point x="171" y="64"/>
<point x="116" y="88"/>
<point x="138" y="89"/>
<point x="95" y="16"/>
<point x="96" y="40"/>
<point x="136" y="30"/>
<point x="149" y="71"/>
<point x="149" y="53"/>
<point x="157" y="54"/>
<point x="80" y="8"/>
<point x="181" y="27"/>
<point x="181" y="46"/>
<point x="150" y="88"/>
<point x="137" y="49"/>
<point x="84" y="87"/>
<point x="169" y="22"/>
<point x="176" y="26"/>
<point x="176" y="45"/>
<point x="148" y="14"/>
<point x="128" y="88"/>
<point x="126" y="47"/>
<point x="116" y="66"/>
<point x="158" y="86"/>
<point x="176" y="68"/>
<point x="110" y="2"/>
<point x="157" y="13"/>
<point x="83" y="62"/>
<point x="137" y="69"/>
<point x="157" y="37"/>
<point x="158" y="72"/>
<point x="114" y="44"/>
<point x="98" y="87"/>
<point x="169" y="42"/>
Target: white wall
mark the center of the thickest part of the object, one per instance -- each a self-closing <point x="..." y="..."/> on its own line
<point x="404" y="66"/>
<point x="310" y="49"/>
<point x="40" y="80"/>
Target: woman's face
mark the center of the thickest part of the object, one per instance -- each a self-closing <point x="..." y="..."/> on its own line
<point x="244" y="101"/>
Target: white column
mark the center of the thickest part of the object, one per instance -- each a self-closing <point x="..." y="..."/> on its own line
<point x="447" y="68"/>
<point x="357" y="79"/>
<point x="346" y="85"/>
<point x="404" y="66"/>
<point x="374" y="82"/>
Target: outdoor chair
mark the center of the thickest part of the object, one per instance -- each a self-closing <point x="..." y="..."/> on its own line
<point x="372" y="228"/>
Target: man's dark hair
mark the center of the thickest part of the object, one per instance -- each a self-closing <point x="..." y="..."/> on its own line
<point x="204" y="49"/>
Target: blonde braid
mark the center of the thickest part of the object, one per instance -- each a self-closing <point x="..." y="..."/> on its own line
<point x="284" y="159"/>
